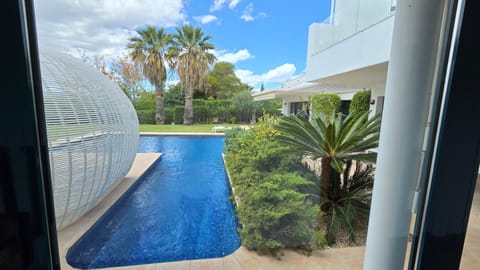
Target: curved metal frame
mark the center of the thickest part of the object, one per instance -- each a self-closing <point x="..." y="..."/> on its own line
<point x="92" y="132"/>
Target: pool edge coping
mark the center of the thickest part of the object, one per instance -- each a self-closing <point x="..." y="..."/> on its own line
<point x="181" y="134"/>
<point x="67" y="236"/>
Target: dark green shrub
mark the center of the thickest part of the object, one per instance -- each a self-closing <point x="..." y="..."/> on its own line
<point x="209" y="109"/>
<point x="338" y="141"/>
<point x="146" y="116"/>
<point x="352" y="203"/>
<point x="276" y="208"/>
<point x="271" y="107"/>
<point x="178" y="114"/>
<point x="145" y="101"/>
<point x="169" y="115"/>
<point x="200" y="114"/>
<point x="326" y="103"/>
<point x="244" y="106"/>
<point x="360" y="101"/>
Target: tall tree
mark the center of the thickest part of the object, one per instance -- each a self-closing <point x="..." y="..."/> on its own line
<point x="190" y="56"/>
<point x="222" y="81"/>
<point x="174" y="95"/>
<point x="148" y="52"/>
<point x="128" y="77"/>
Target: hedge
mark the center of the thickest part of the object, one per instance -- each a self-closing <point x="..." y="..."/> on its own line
<point x="326" y="103"/>
<point x="200" y="114"/>
<point x="168" y="115"/>
<point x="178" y="114"/>
<point x="205" y="111"/>
<point x="360" y="101"/>
<point x="146" y="116"/>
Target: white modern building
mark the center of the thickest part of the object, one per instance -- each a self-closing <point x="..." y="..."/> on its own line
<point x="348" y="51"/>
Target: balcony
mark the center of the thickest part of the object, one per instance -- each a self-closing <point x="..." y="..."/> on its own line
<point x="355" y="37"/>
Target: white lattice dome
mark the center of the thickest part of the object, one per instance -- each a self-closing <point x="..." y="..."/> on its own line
<point x="92" y="133"/>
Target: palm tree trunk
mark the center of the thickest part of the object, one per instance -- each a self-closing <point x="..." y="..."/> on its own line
<point x="159" y="114"/>
<point x="188" y="113"/>
<point x="329" y="184"/>
<point x="325" y="181"/>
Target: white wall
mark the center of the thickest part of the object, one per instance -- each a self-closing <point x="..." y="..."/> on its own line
<point x="365" y="48"/>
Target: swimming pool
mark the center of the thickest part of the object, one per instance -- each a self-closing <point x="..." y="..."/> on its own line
<point x="179" y="210"/>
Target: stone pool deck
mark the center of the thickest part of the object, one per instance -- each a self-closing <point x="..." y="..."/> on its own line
<point x="330" y="259"/>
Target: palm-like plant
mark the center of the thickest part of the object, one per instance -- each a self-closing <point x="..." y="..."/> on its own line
<point x="337" y="141"/>
<point x="148" y="51"/>
<point x="190" y="56"/>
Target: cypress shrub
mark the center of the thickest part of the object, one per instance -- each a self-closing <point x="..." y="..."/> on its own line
<point x="326" y="103"/>
<point x="178" y="114"/>
<point x="274" y="190"/>
<point x="146" y="116"/>
<point x="360" y="101"/>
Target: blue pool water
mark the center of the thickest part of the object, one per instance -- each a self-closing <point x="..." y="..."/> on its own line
<point x="179" y="210"/>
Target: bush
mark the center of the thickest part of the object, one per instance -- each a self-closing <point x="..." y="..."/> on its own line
<point x="200" y="114"/>
<point x="276" y="208"/>
<point x="326" y="103"/>
<point x="146" y="116"/>
<point x="178" y="114"/>
<point x="169" y="115"/>
<point x="360" y="101"/>
<point x="204" y="110"/>
<point x="244" y="106"/>
<point x="271" y="107"/>
<point x="352" y="204"/>
<point x="145" y="101"/>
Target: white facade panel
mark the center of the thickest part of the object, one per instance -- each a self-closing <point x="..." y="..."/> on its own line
<point x="363" y="49"/>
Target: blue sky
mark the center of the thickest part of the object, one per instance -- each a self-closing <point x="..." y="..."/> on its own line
<point x="265" y="40"/>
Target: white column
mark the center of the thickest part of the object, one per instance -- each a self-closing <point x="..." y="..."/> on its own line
<point x="285" y="106"/>
<point x="408" y="90"/>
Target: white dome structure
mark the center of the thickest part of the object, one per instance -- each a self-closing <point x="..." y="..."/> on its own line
<point x="92" y="131"/>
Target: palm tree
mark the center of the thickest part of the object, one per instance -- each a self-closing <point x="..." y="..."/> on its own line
<point x="337" y="141"/>
<point x="190" y="56"/>
<point x="148" y="52"/>
<point x="334" y="139"/>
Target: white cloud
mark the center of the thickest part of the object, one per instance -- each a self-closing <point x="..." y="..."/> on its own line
<point x="217" y="5"/>
<point x="233" y="4"/>
<point x="233" y="57"/>
<point x="261" y="15"/>
<point x="248" y="14"/>
<point x="206" y="19"/>
<point x="100" y="27"/>
<point x="276" y="75"/>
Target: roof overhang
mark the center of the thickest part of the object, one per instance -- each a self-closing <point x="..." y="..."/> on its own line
<point x="300" y="89"/>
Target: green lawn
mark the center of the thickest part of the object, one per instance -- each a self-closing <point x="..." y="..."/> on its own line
<point x="181" y="128"/>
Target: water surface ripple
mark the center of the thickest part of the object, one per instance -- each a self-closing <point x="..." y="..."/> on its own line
<point x="179" y="210"/>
